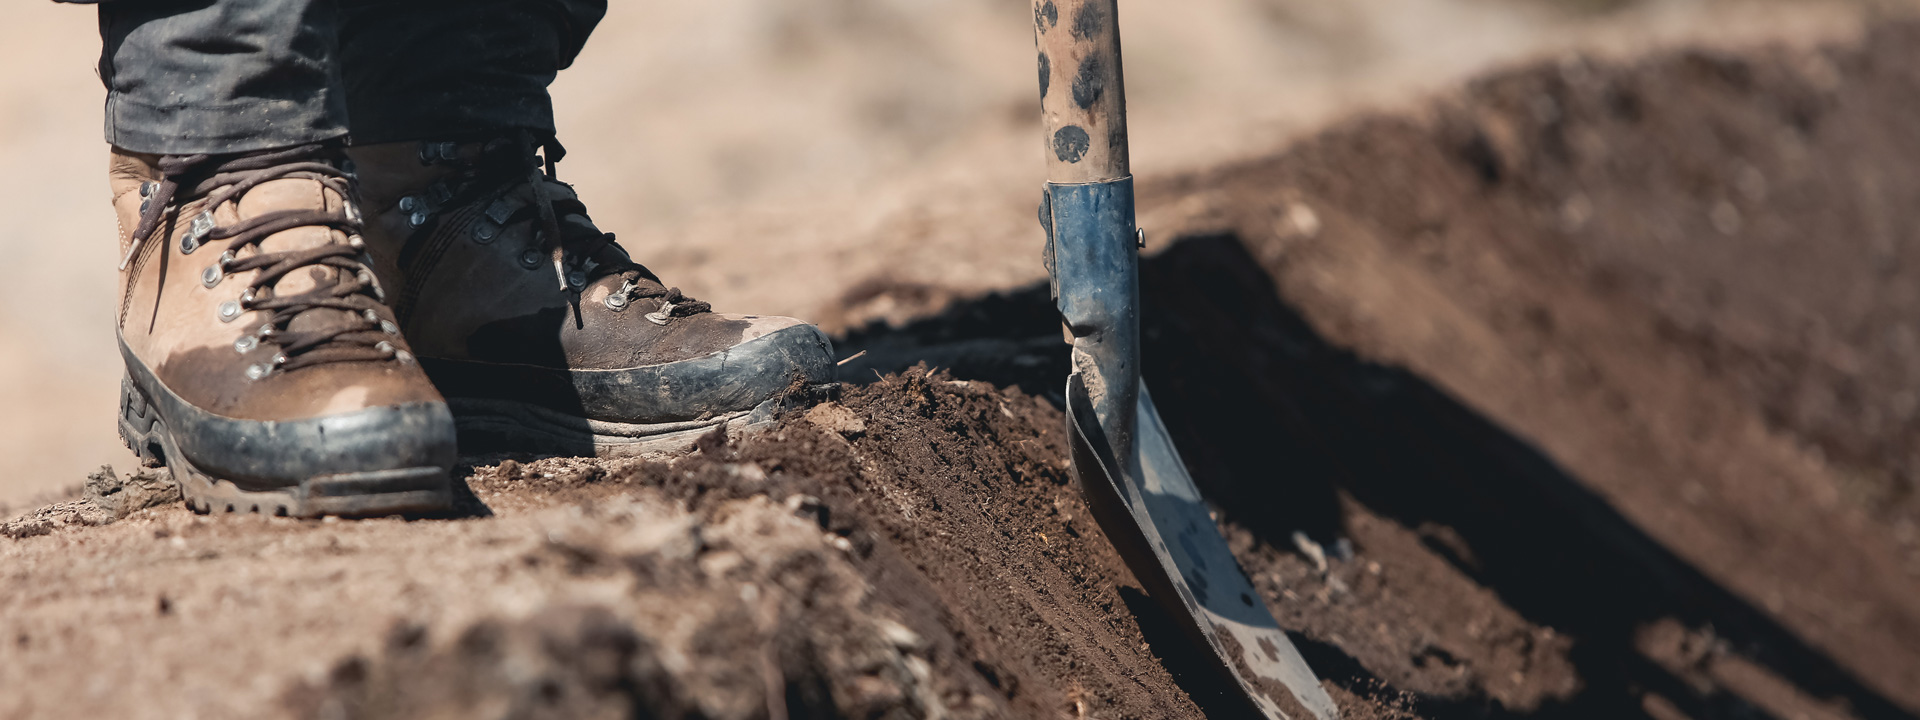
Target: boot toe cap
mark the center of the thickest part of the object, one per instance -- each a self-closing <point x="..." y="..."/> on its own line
<point x="267" y="454"/>
<point x="764" y="358"/>
<point x="412" y="431"/>
<point x="776" y="354"/>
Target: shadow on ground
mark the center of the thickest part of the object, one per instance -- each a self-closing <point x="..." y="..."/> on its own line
<point x="1276" y="424"/>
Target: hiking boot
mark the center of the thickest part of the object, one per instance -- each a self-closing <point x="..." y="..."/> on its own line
<point x="263" y="368"/>
<point x="540" y="329"/>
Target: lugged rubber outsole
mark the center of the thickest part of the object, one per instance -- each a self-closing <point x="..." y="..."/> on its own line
<point x="361" y="494"/>
<point x="486" y="425"/>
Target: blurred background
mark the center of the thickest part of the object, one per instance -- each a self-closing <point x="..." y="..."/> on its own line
<point x="804" y="157"/>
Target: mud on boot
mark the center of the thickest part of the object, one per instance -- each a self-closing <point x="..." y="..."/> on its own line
<point x="541" y="330"/>
<point x="263" y="368"/>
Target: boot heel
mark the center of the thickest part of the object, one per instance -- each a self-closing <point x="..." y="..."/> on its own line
<point x="139" y="425"/>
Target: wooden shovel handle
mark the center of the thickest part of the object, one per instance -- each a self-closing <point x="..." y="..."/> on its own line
<point x="1082" y="100"/>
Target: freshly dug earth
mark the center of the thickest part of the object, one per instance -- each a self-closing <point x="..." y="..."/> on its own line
<point x="1587" y="391"/>
<point x="913" y="549"/>
<point x="1624" y="350"/>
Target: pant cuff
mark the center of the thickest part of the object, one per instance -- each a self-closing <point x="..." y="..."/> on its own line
<point x="188" y="130"/>
<point x="467" y="114"/>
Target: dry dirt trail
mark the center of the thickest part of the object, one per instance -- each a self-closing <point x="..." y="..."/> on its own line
<point x="1590" y="381"/>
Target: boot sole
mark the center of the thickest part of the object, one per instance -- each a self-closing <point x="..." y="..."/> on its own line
<point x="358" y="494"/>
<point x="491" y="426"/>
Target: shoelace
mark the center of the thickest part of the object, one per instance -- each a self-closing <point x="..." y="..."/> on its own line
<point x="361" y="335"/>
<point x="579" y="258"/>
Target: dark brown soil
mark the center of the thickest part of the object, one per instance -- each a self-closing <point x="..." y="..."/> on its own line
<point x="1604" y="371"/>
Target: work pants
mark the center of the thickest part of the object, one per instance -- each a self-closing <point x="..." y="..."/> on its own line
<point x="229" y="76"/>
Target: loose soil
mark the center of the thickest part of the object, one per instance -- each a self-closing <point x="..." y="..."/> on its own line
<point x="1584" y="391"/>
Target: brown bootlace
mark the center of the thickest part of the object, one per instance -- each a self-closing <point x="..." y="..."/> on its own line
<point x="363" y="337"/>
<point x="600" y="255"/>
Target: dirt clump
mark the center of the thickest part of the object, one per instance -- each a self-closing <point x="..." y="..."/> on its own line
<point x="107" y="496"/>
<point x="741" y="611"/>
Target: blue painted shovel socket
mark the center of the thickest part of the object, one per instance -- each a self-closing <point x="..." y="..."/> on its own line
<point x="1131" y="473"/>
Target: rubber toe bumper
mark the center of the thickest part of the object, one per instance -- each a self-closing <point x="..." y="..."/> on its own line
<point x="377" y="461"/>
<point x="728" y="381"/>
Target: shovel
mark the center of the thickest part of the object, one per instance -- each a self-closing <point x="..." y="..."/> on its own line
<point x="1123" y="459"/>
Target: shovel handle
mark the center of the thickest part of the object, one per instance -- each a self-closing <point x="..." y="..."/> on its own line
<point x="1082" y="100"/>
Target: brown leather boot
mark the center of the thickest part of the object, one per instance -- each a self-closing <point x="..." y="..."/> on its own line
<point x="262" y="366"/>
<point x="541" y="331"/>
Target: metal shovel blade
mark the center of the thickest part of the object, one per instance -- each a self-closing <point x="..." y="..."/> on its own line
<point x="1153" y="514"/>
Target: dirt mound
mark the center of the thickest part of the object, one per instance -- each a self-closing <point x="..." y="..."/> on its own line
<point x="1611" y="359"/>
<point x="911" y="550"/>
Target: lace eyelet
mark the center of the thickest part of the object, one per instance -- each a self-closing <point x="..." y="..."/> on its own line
<point x="432" y="153"/>
<point x="229" y="311"/>
<point x="196" y="233"/>
<point x="211" y="276"/>
<point x="661" y="316"/>
<point x="246" y="344"/>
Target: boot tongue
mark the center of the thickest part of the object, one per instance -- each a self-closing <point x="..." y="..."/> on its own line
<point x="300" y="194"/>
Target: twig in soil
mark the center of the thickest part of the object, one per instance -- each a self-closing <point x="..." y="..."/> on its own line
<point x="850" y="358"/>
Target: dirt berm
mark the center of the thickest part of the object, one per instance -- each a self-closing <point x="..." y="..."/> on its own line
<point x="1588" y="390"/>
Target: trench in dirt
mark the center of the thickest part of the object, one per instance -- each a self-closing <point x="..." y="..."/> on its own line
<point x="1287" y="432"/>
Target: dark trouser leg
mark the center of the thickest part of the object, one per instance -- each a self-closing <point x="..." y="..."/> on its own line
<point x="221" y="76"/>
<point x="447" y="69"/>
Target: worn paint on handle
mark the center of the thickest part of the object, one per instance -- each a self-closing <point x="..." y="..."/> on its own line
<point x="1082" y="98"/>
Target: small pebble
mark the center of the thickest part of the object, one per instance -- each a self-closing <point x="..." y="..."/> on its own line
<point x="1311" y="549"/>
